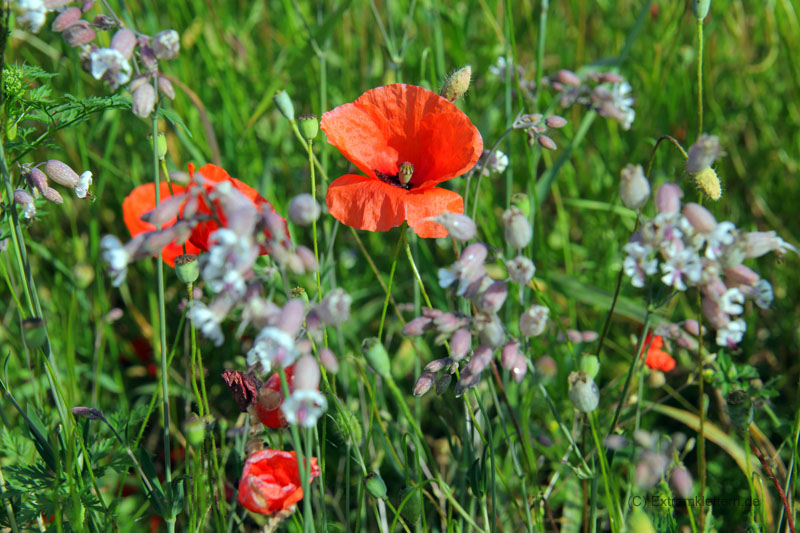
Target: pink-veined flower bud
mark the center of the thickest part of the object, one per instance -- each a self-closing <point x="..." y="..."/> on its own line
<point x="53" y="195"/>
<point x="103" y="22"/>
<point x="508" y="354"/>
<point x="304" y="209"/>
<point x="520" y="270"/>
<point x="78" y="34"/>
<point x="431" y="312"/>
<point x="417" y="326"/>
<point x="291" y="317"/>
<point x="479" y="361"/>
<point x="518" y="229"/>
<point x="25" y="200"/>
<point x="437" y="365"/>
<point x="472" y="256"/>
<point x="335" y="307"/>
<point x="307" y="257"/>
<point x="37" y="179"/>
<point x="494" y="297"/>
<point x="124" y="41"/>
<point x="567" y="77"/>
<point x="460" y="227"/>
<point x="714" y="313"/>
<point x="699" y="217"/>
<point x="703" y="153"/>
<point x="306" y="373"/>
<point x="447" y="323"/>
<point x="52" y="5"/>
<point x="147" y="57"/>
<point x="166" y="44"/>
<point x="165" y="87"/>
<point x="490" y="329"/>
<point x="546" y="142"/>
<point x="328" y="360"/>
<point x="87" y="5"/>
<point x="668" y="198"/>
<point x="555" y="122"/>
<point x="741" y="275"/>
<point x="583" y="392"/>
<point x="515" y="362"/>
<point x="138" y="81"/>
<point x="144" y="100"/>
<point x="681" y="481"/>
<point x="460" y="343"/>
<point x="61" y="173"/>
<point x="65" y="19"/>
<point x="165" y="211"/>
<point x="692" y="327"/>
<point x="634" y="189"/>
<point x="610" y="77"/>
<point x="533" y="321"/>
<point x="424" y="383"/>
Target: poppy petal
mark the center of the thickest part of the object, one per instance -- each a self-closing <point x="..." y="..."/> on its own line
<point x="424" y="204"/>
<point x="452" y="146"/>
<point x="366" y="203"/>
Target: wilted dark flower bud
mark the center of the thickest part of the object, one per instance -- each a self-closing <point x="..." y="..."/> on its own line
<point x="187" y="268"/>
<point x="460" y="227"/>
<point x="34" y="333"/>
<point x="304" y="209"/>
<point x="520" y="269"/>
<point x="583" y="392"/>
<point x="166" y="44"/>
<point x="284" y="104"/>
<point x="309" y="125"/>
<point x="457" y="84"/>
<point x="546" y="142"/>
<point x="103" y="22"/>
<point x="144" y="100"/>
<point x="147" y="57"/>
<point x="65" y="19"/>
<point x="244" y="387"/>
<point x="165" y="87"/>
<point x="79" y="34"/>
<point x="124" y="41"/>
<point x="376" y="356"/>
<point x="443" y="383"/>
<point x="460" y="343"/>
<point x="668" y="198"/>
<point x="424" y="383"/>
<point x="518" y="229"/>
<point x="375" y="485"/>
<point x="89" y="412"/>
<point x="417" y="326"/>
<point x="634" y="187"/>
<point x="61" y="173"/>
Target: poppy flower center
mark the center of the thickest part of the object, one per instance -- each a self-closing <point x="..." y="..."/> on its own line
<point x="403" y="177"/>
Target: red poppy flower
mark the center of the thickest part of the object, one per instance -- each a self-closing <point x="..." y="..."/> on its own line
<point x="270" y="481"/>
<point x="385" y="128"/>
<point x="269" y="399"/>
<point x="657" y="359"/>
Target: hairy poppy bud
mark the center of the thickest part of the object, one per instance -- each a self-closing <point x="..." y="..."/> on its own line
<point x="460" y="343"/>
<point x="61" y="173"/>
<point x="424" y="383"/>
<point x="708" y="182"/>
<point x="124" y="41"/>
<point x="375" y="485"/>
<point x="668" y="198"/>
<point x="284" y="104"/>
<point x="405" y="172"/>
<point x="583" y="392"/>
<point x="555" y="122"/>
<point x="53" y="195"/>
<point x="546" y="142"/>
<point x="144" y="100"/>
<point x="700" y="8"/>
<point x="460" y="227"/>
<point x="79" y="34"/>
<point x="304" y="209"/>
<point x="376" y="356"/>
<point x="165" y="87"/>
<point x="34" y="333"/>
<point x="166" y="44"/>
<point x="520" y="270"/>
<point x="187" y="268"/>
<point x="65" y="19"/>
<point x="309" y="126"/>
<point x="634" y="187"/>
<point x="518" y="229"/>
<point x="457" y="84"/>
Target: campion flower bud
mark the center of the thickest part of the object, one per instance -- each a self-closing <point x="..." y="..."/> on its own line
<point x="307" y="257"/>
<point x="590" y="364"/>
<point x="546" y="366"/>
<point x="533" y="321"/>
<point x="443" y="384"/>
<point x="490" y="329"/>
<point x="424" y="383"/>
<point x="479" y="361"/>
<point x="700" y="10"/>
<point x="304" y="209"/>
<point x="165" y="87"/>
<point x="460" y="343"/>
<point x="438" y="365"/>
<point x="509" y="354"/>
<point x="376" y="356"/>
<point x="448" y="322"/>
<point x="165" y="211"/>
<point x="25" y="200"/>
<point x="52" y="5"/>
<point x="137" y="82"/>
<point x="102" y="22"/>
<point x="87" y="5"/>
<point x="328" y="360"/>
<point x="494" y="297"/>
<point x="166" y="44"/>
<point x="703" y="153"/>
<point x="692" y="327"/>
<point x="460" y="227"/>
<point x="65" y="19"/>
<point x="699" y="217"/>
<point x="284" y="104"/>
<point x="124" y="41"/>
<point x="555" y="122"/>
<point x="291" y="318"/>
<point x="634" y="189"/>
<point x="681" y="481"/>
<point x="494" y="162"/>
<point x="546" y="142"/>
<point x="520" y="269"/>
<point x="147" y="57"/>
<point x="583" y="392"/>
<point x="61" y="173"/>
<point x="417" y="326"/>
<point x="89" y="412"/>
<point x="34" y="333"/>
<point x="668" y="198"/>
<point x="53" y="195"/>
<point x="741" y="275"/>
<point x="567" y="77"/>
<point x="79" y="34"/>
<point x="187" y="268"/>
<point x="518" y="229"/>
<point x="457" y="84"/>
<point x="306" y="373"/>
<point x="335" y="307"/>
<point x="375" y="485"/>
<point x="144" y="100"/>
<point x="37" y="179"/>
<point x="708" y="182"/>
<point x="309" y="125"/>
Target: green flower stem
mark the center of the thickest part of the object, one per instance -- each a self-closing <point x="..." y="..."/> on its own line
<point x="314" y="223"/>
<point x="480" y="173"/>
<point x="377" y="273"/>
<point x="699" y="78"/>
<point x="628" y="378"/>
<point x="701" y="438"/>
<point x="417" y="276"/>
<point x="614" y="510"/>
<point x="400" y="242"/>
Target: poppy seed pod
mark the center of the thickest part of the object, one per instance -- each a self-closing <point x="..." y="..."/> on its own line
<point x="309" y="125"/>
<point x="195" y="431"/>
<point x="79" y="34"/>
<point x="144" y="100"/>
<point x="53" y="195"/>
<point x="460" y="343"/>
<point x="165" y="87"/>
<point x="634" y="189"/>
<point x="187" y="268"/>
<point x="284" y="104"/>
<point x="533" y="321"/>
<point x="166" y="44"/>
<point x="518" y="229"/>
<point x="375" y="485"/>
<point x="65" y="19"/>
<point x="700" y="8"/>
<point x="583" y="392"/>
<point x="708" y="182"/>
<point x="61" y="173"/>
<point x="304" y="209"/>
<point x="703" y="153"/>
<point x="460" y="227"/>
<point x="306" y="373"/>
<point x="424" y="383"/>
<point x="376" y="356"/>
<point x="457" y="84"/>
<point x="520" y="270"/>
<point x="699" y="217"/>
<point x="124" y="41"/>
<point x="668" y="198"/>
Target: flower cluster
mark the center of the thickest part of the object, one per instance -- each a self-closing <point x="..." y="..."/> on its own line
<point x="36" y="184"/>
<point x="605" y="92"/>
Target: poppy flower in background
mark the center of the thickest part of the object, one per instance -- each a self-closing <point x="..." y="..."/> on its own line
<point x="407" y="140"/>
<point x="270" y="481"/>
<point x="657" y="359"/>
<point x="268" y="402"/>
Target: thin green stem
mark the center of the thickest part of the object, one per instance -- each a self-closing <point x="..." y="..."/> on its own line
<point x="637" y="356"/>
<point x="12" y="520"/>
<point x="699" y="81"/>
<point x="614" y="511"/>
<point x="400" y="242"/>
<point x="701" y="439"/>
<point x="417" y="276"/>
<point x="314" y="222"/>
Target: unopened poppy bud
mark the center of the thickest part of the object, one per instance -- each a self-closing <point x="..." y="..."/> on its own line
<point x="417" y="326"/>
<point x="309" y="126"/>
<point x="166" y="44"/>
<point x="144" y="100"/>
<point x="546" y="142"/>
<point x="457" y="84"/>
<point x="284" y="104"/>
<point x="53" y="195"/>
<point x="405" y="172"/>
<point x="376" y="356"/>
<point x="699" y="217"/>
<point x="703" y="153"/>
<point x="518" y="229"/>
<point x="590" y="364"/>
<point x="375" y="485"/>
<point x="79" y="34"/>
<point x="195" y="431"/>
<point x="65" y="19"/>
<point x="460" y="343"/>
<point x="583" y="392"/>
<point x="708" y="182"/>
<point x="567" y="77"/>
<point x="460" y="227"/>
<point x="494" y="297"/>
<point x="533" y="321"/>
<point x="61" y="173"/>
<point x="161" y="146"/>
<point x="304" y="209"/>
<point x="165" y="87"/>
<point x="187" y="268"/>
<point x="424" y="383"/>
<point x="634" y="189"/>
<point x="306" y="373"/>
<point x="34" y="333"/>
<point x="700" y="8"/>
<point x="124" y="41"/>
<point x="555" y="122"/>
<point x="521" y="270"/>
<point x="412" y="510"/>
<point x="668" y="198"/>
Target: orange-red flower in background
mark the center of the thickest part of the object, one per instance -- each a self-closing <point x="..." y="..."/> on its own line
<point x="270" y="398"/>
<point x="385" y="128"/>
<point x="270" y="481"/>
<point x="657" y="359"/>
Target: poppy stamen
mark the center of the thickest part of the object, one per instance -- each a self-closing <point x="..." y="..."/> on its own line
<point x="393" y="179"/>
